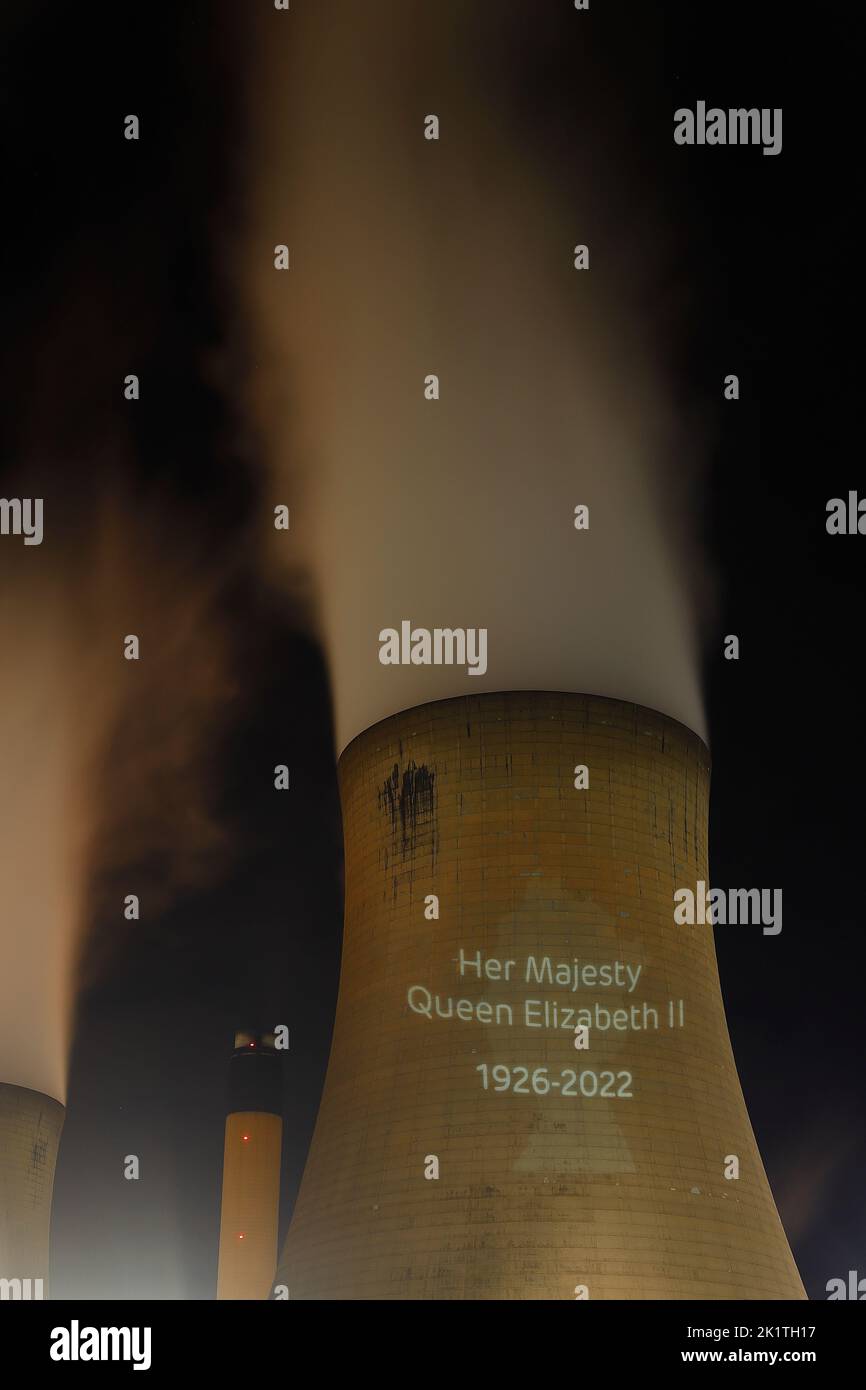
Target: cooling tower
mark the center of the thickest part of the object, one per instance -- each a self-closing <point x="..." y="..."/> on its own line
<point x="30" y="1125"/>
<point x="251" y="1171"/>
<point x="467" y="1147"/>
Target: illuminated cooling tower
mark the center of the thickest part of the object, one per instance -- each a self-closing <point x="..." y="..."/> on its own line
<point x="251" y="1171"/>
<point x="465" y="1148"/>
<point x="30" y="1125"/>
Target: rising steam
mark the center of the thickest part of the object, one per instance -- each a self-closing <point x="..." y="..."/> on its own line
<point x="106" y="790"/>
<point x="411" y="257"/>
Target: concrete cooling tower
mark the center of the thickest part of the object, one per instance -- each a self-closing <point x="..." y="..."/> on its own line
<point x="468" y="1146"/>
<point x="30" y="1125"/>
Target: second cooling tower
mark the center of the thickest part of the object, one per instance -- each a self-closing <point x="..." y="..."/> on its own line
<point x="498" y="898"/>
<point x="30" y="1126"/>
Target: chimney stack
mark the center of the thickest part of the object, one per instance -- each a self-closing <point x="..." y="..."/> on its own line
<point x="251" y="1170"/>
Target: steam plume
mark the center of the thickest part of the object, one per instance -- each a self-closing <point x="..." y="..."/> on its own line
<point x="106" y="787"/>
<point x="454" y="257"/>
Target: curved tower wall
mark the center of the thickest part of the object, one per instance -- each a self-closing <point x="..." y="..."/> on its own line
<point x="565" y="1172"/>
<point x="30" y="1126"/>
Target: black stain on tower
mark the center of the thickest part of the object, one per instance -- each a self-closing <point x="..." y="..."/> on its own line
<point x="409" y="800"/>
<point x="38" y="1154"/>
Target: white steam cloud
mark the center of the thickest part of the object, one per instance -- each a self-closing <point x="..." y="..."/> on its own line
<point x="107" y="763"/>
<point x="411" y="257"/>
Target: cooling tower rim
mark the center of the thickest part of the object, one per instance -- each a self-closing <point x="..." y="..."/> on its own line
<point x="31" y="1095"/>
<point x="528" y="691"/>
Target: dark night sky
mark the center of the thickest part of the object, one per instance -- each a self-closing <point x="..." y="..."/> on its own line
<point x="113" y="264"/>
